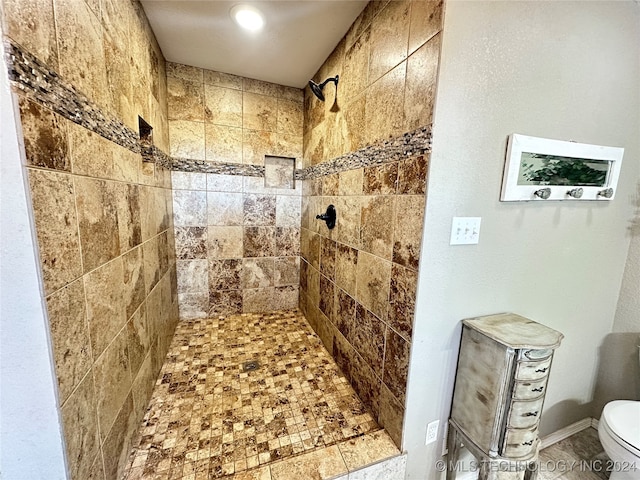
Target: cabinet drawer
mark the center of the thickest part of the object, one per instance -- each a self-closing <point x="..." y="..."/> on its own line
<point x="525" y="414"/>
<point x="535" y="355"/>
<point x="519" y="443"/>
<point x="533" y="370"/>
<point x="528" y="390"/>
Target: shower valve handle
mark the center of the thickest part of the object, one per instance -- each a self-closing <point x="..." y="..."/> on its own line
<point x="329" y="216"/>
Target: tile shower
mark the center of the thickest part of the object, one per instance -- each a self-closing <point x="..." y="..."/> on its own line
<point x="139" y="241"/>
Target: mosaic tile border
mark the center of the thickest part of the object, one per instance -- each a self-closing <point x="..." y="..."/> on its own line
<point x="410" y="144"/>
<point x="45" y="86"/>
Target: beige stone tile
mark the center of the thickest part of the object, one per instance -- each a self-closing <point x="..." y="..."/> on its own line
<point x="256" y="144"/>
<point x="258" y="299"/>
<point x="189" y="208"/>
<point x="402" y="299"/>
<point x="314" y="146"/>
<point x="321" y="465"/>
<point x="288" y="211"/>
<point x="97" y="204"/>
<point x="118" y="443"/>
<point x="381" y="179"/>
<point x="188" y="180"/>
<point x="56" y="223"/>
<point x="97" y="470"/>
<point x="193" y="275"/>
<point x="257" y="272"/>
<point x="45" y="136"/>
<point x="263" y="88"/>
<point x="346" y="268"/>
<point x="70" y="336"/>
<point x="350" y="182"/>
<point x="223" y="106"/>
<point x="289" y="117"/>
<point x="139" y="338"/>
<point x="185" y="72"/>
<point x="31" y="23"/>
<point x="426" y="21"/>
<point x="224" y="183"/>
<point x="105" y="304"/>
<point x="391" y="415"/>
<point x="372" y="285"/>
<point x="286" y="271"/>
<point x="259" y="112"/>
<point x="193" y="305"/>
<point x="422" y="72"/>
<point x="289" y="146"/>
<point x="348" y="213"/>
<point x="384" y="115"/>
<point x="80" y="425"/>
<point x="354" y="116"/>
<point x="151" y="259"/>
<point x="396" y="364"/>
<point x="126" y="164"/>
<point x="79" y="36"/>
<point x="112" y="381"/>
<point x="355" y="77"/>
<point x="224" y="209"/>
<point x="223" y="144"/>
<point x="292" y="93"/>
<point x="187" y="139"/>
<point x="134" y="288"/>
<point x="128" y="215"/>
<point x="225" y="242"/>
<point x="279" y="172"/>
<point x="143" y="383"/>
<point x="220" y="79"/>
<point x="83" y="144"/>
<point x="367" y="449"/>
<point x="186" y="99"/>
<point x="389" y="38"/>
<point x="376" y="227"/>
<point x="408" y="230"/>
<point x="412" y="175"/>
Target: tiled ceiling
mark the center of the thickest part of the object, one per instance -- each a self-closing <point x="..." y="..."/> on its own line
<point x="296" y="39"/>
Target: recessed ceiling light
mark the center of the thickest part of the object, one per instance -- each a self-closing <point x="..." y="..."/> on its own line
<point x="248" y="17"/>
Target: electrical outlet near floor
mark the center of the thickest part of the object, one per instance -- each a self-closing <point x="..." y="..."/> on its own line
<point x="432" y="432"/>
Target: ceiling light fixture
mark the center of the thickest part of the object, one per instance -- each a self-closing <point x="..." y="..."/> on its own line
<point x="248" y="17"/>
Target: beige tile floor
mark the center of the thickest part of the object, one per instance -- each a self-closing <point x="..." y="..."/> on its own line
<point x="210" y="418"/>
<point x="579" y="457"/>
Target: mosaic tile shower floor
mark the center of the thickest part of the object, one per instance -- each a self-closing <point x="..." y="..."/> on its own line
<point x="208" y="418"/>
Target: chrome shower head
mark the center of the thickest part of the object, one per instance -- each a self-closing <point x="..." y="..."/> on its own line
<point x="317" y="88"/>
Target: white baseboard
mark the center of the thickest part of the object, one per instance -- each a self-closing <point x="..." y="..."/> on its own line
<point x="567" y="431"/>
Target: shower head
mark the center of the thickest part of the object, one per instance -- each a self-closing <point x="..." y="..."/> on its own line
<point x="317" y="88"/>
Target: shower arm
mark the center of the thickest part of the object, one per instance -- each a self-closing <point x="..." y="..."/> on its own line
<point x="330" y="79"/>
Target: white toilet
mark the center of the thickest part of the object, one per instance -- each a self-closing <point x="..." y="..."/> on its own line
<point x="619" y="432"/>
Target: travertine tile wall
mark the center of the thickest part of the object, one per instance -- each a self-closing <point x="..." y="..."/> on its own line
<point x="103" y="221"/>
<point x="358" y="281"/>
<point x="237" y="241"/>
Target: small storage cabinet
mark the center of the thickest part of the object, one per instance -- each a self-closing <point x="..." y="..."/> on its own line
<point x="499" y="392"/>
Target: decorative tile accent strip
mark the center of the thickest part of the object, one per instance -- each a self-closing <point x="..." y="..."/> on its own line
<point x="189" y="165"/>
<point x="411" y="144"/>
<point x="45" y="86"/>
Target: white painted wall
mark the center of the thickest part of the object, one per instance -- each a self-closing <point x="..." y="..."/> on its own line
<point x="628" y="312"/>
<point x="31" y="445"/>
<point x="565" y="70"/>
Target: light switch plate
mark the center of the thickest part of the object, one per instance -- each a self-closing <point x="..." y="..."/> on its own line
<point x="465" y="230"/>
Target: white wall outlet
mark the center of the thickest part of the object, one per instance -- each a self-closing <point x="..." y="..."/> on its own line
<point x="465" y="230"/>
<point x="432" y="432"/>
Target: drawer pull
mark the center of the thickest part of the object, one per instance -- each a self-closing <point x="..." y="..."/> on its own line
<point x="539" y="389"/>
<point x="530" y="442"/>
<point x="531" y="414"/>
<point x="541" y="370"/>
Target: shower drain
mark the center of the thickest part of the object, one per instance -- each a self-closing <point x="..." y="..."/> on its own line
<point x="250" y="366"/>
